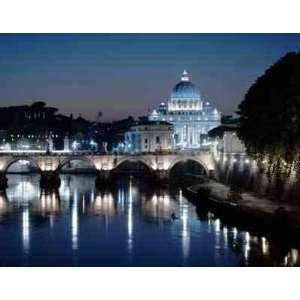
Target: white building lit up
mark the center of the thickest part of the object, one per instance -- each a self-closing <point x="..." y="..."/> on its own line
<point x="191" y="116"/>
<point x="149" y="137"/>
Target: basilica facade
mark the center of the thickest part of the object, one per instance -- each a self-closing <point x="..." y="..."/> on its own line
<point x="191" y="117"/>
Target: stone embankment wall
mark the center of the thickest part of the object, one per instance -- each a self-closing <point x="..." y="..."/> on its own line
<point x="240" y="171"/>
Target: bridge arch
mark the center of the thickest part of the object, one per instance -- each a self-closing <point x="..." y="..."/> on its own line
<point x="186" y="159"/>
<point x="14" y="160"/>
<point x="133" y="166"/>
<point x="134" y="160"/>
<point x="85" y="159"/>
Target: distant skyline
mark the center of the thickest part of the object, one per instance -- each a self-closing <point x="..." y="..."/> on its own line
<point x="130" y="74"/>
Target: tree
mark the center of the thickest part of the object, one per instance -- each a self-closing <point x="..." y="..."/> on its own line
<point x="270" y="117"/>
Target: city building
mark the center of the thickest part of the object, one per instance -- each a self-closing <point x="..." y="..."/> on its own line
<point x="226" y="140"/>
<point x="191" y="116"/>
<point x="149" y="136"/>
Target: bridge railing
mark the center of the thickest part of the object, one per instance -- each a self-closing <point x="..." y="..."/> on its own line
<point x="190" y="152"/>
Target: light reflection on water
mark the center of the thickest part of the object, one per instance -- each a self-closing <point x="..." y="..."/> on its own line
<point x="129" y="225"/>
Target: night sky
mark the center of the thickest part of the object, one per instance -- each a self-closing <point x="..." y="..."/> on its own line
<point x="128" y="74"/>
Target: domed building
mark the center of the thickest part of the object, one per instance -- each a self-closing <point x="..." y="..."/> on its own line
<point x="191" y="117"/>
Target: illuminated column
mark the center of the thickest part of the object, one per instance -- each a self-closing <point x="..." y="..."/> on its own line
<point x="182" y="135"/>
<point x="188" y="133"/>
<point x="193" y="135"/>
<point x="191" y="140"/>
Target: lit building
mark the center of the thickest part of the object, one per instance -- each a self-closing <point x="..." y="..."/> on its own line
<point x="226" y="139"/>
<point x="232" y="144"/>
<point x="150" y="136"/>
<point x="191" y="116"/>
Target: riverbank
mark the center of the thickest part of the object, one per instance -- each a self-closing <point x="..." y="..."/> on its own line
<point x="245" y="208"/>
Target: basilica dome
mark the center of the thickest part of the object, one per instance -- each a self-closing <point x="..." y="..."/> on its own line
<point x="185" y="90"/>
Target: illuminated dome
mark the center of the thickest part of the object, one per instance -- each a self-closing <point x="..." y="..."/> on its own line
<point x="185" y="90"/>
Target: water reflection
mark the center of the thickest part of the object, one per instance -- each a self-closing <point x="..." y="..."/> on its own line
<point x="140" y="227"/>
<point x="3" y="204"/>
<point x="25" y="229"/>
<point x="75" y="222"/>
<point x="48" y="203"/>
<point x="130" y="217"/>
<point x="103" y="205"/>
<point x="159" y="208"/>
<point x="185" y="228"/>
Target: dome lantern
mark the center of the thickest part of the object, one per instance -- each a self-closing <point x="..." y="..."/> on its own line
<point x="185" y="76"/>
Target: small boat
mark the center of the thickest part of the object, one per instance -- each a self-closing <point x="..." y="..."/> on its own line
<point x="173" y="216"/>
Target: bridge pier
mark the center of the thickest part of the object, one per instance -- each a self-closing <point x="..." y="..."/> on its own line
<point x="49" y="180"/>
<point x="211" y="174"/>
<point x="103" y="178"/>
<point x="161" y="176"/>
<point x="3" y="181"/>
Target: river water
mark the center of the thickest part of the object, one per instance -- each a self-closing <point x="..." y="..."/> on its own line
<point x="129" y="225"/>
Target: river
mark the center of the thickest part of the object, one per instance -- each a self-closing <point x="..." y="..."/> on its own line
<point x="130" y="225"/>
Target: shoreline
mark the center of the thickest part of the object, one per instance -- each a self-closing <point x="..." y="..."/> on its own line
<point x="246" y="209"/>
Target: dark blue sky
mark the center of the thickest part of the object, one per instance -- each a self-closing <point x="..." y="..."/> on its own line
<point x="128" y="74"/>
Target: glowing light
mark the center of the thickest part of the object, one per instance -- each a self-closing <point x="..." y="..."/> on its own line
<point x="247" y="161"/>
<point x="130" y="217"/>
<point x="235" y="232"/>
<point x="247" y="245"/>
<point x="217" y="225"/>
<point x="83" y="204"/>
<point x="166" y="199"/>
<point x="225" y="231"/>
<point x="180" y="196"/>
<point x="23" y="151"/>
<point x="247" y="237"/>
<point x="92" y="198"/>
<point x="185" y="232"/>
<point x="265" y="246"/>
<point x="3" y="204"/>
<point x="285" y="260"/>
<point x="25" y="229"/>
<point x="294" y="255"/>
<point x="24" y="162"/>
<point x="154" y="199"/>
<point x="75" y="223"/>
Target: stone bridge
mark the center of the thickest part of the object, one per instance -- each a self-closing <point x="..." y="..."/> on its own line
<point x="49" y="165"/>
